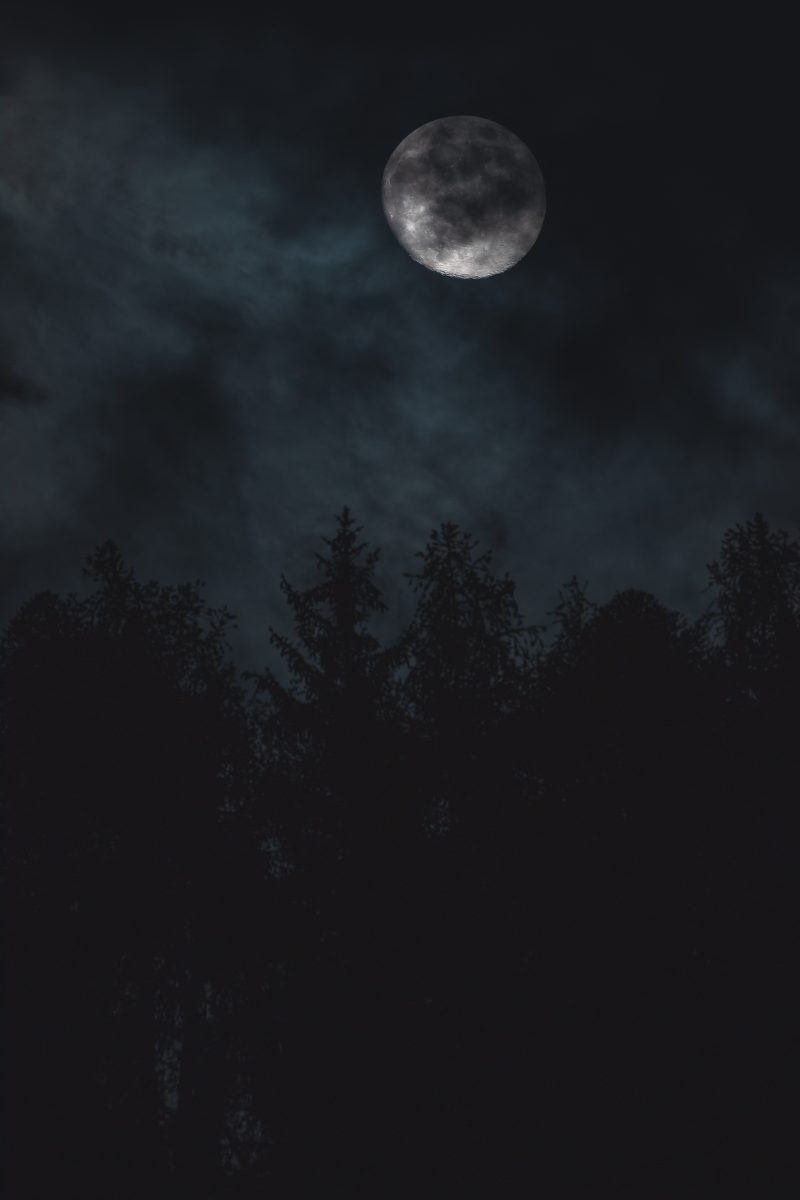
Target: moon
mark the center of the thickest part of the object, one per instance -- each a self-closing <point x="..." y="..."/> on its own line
<point x="464" y="196"/>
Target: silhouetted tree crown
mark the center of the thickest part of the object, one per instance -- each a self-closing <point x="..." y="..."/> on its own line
<point x="757" y="605"/>
<point x="338" y="660"/>
<point x="334" y="726"/>
<point x="468" y="645"/>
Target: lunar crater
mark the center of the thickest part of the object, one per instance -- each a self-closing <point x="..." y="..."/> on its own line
<point x="464" y="197"/>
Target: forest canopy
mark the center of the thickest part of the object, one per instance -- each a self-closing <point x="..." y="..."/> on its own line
<point x="494" y="902"/>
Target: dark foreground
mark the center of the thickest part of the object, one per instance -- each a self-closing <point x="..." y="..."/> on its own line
<point x="493" y="909"/>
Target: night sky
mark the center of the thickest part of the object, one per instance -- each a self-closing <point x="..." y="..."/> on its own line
<point x="210" y="340"/>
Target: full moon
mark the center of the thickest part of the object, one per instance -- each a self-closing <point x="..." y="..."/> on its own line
<point x="464" y="196"/>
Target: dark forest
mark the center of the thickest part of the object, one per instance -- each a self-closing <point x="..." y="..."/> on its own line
<point x="499" y="907"/>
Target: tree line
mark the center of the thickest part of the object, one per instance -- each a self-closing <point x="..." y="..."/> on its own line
<point x="493" y="906"/>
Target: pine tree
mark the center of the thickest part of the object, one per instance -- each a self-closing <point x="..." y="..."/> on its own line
<point x="756" y="618"/>
<point x="470" y="652"/>
<point x="468" y="686"/>
<point x="326" y="729"/>
<point x="757" y="607"/>
<point x="332" y="737"/>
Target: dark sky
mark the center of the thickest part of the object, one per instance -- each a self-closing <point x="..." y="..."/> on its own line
<point x="210" y="340"/>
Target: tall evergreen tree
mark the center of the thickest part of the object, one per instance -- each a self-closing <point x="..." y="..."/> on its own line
<point x="466" y="692"/>
<point x="327" y="727"/>
<point x="470" y="664"/>
<point x="332" y="734"/>
<point x="755" y="615"/>
<point x="756" y="610"/>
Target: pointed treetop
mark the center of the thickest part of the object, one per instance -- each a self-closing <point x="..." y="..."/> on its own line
<point x="334" y="650"/>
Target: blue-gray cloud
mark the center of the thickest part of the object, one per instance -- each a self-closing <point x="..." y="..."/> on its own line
<point x="210" y="341"/>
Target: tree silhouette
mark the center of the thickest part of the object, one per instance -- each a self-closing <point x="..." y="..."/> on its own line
<point x="470" y="655"/>
<point x="327" y="728"/>
<point x="482" y="905"/>
<point x="755" y="666"/>
<point x="757" y="604"/>
<point x="466" y="688"/>
<point x="126" y="750"/>
<point x="332" y="734"/>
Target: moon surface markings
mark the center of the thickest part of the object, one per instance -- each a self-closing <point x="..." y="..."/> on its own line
<point x="464" y="197"/>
